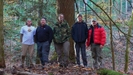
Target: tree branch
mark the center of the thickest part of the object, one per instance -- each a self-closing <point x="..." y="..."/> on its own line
<point x="76" y="6"/>
<point x="120" y="12"/>
<point x="94" y="12"/>
<point x="113" y="21"/>
<point x="110" y="18"/>
<point x="130" y="3"/>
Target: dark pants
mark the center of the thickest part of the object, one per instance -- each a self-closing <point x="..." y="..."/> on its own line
<point x="43" y="51"/>
<point x="62" y="50"/>
<point x="81" y="47"/>
<point x="96" y="54"/>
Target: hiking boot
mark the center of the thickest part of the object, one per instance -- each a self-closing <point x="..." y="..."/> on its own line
<point x="85" y="66"/>
<point x="31" y="66"/>
<point x="61" y="65"/>
<point x="43" y="67"/>
<point x="76" y="65"/>
<point x="22" y="65"/>
<point x="65" y="65"/>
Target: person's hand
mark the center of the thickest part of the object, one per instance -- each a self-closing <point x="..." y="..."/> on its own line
<point x="87" y="47"/>
<point x="101" y="46"/>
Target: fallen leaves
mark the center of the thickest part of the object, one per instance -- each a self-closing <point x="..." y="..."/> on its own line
<point x="54" y="69"/>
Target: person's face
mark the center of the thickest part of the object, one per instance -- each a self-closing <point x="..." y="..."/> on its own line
<point x="43" y="21"/>
<point x="94" y="23"/>
<point x="79" y="18"/>
<point x="61" y="18"/>
<point x="29" y="22"/>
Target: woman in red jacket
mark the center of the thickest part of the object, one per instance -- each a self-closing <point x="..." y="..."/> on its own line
<point x="96" y="39"/>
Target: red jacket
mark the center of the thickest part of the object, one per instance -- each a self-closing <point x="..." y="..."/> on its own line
<point x="99" y="35"/>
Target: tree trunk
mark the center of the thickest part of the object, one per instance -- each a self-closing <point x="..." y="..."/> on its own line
<point x="2" y="61"/>
<point x="128" y="45"/>
<point x="40" y="8"/>
<point x="40" y="12"/>
<point x="111" y="38"/>
<point x="66" y="7"/>
<point x="85" y="8"/>
<point x="127" y="50"/>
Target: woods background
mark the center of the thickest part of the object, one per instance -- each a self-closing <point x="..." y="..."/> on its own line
<point x="114" y="15"/>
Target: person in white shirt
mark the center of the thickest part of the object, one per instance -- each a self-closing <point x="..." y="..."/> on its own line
<point x="27" y="39"/>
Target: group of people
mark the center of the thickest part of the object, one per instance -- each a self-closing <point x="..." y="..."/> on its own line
<point x="83" y="37"/>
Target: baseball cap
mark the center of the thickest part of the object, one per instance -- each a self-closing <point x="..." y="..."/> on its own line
<point x="78" y="15"/>
<point x="94" y="19"/>
<point x="28" y="19"/>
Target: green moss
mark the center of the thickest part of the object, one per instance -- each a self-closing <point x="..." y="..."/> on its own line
<point x="108" y="72"/>
<point x="50" y="73"/>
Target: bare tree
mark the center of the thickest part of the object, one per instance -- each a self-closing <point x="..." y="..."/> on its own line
<point x="66" y="7"/>
<point x="128" y="44"/>
<point x="111" y="38"/>
<point x="2" y="61"/>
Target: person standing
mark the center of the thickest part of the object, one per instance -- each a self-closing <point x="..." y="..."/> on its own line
<point x="61" y="40"/>
<point x="27" y="38"/>
<point x="44" y="36"/>
<point x="96" y="39"/>
<point x="79" y="35"/>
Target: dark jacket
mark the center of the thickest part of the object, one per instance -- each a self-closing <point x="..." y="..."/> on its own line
<point x="79" y="32"/>
<point x="99" y="35"/>
<point x="44" y="33"/>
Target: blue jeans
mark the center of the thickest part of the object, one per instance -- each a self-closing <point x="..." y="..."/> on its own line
<point x="43" y="49"/>
<point x="81" y="47"/>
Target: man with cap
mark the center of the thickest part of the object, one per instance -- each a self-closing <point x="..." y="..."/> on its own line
<point x="96" y="39"/>
<point x="27" y="39"/>
<point x="79" y="35"/>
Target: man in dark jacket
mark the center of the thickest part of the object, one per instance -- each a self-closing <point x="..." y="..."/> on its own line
<point x="44" y="36"/>
<point x="79" y="35"/>
<point x="96" y="39"/>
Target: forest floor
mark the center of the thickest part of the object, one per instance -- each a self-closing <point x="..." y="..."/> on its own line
<point x="13" y="66"/>
<point x="53" y="69"/>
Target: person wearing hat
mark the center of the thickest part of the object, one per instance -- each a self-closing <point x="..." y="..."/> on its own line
<point x="27" y="39"/>
<point x="96" y="39"/>
<point x="43" y="38"/>
<point x="79" y="34"/>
